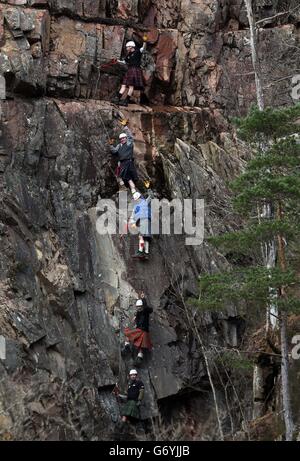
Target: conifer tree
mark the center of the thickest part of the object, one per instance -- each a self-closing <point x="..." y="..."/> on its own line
<point x="273" y="177"/>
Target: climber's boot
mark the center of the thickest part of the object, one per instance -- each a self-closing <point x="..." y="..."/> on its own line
<point x="116" y="99"/>
<point x="146" y="249"/>
<point x="144" y="100"/>
<point x="130" y="100"/>
<point x="140" y="430"/>
<point x="139" y="359"/>
<point x="146" y="256"/>
<point x="138" y="362"/>
<point x="126" y="350"/>
<point x="124" y="102"/>
<point x="139" y="255"/>
<point x="122" y="187"/>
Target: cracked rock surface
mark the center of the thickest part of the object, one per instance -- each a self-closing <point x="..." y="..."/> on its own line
<point x="66" y="292"/>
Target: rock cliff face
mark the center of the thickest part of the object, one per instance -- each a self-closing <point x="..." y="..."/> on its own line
<point x="66" y="292"/>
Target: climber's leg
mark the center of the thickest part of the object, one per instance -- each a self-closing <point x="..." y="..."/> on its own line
<point x="123" y="89"/>
<point x="141" y="243"/>
<point x="129" y="175"/>
<point x="124" y="101"/>
<point x="140" y="354"/>
<point x="132" y="186"/>
<point x="117" y="98"/>
<point x="127" y="100"/>
<point x="132" y="176"/>
<point x="129" y="95"/>
<point x="139" y="357"/>
<point x="126" y="349"/>
<point x="140" y="253"/>
<point x="145" y="231"/>
<point x="147" y="248"/>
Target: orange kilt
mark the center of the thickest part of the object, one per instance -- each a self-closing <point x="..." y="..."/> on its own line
<point x="139" y="338"/>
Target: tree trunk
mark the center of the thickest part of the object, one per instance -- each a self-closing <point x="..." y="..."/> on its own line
<point x="269" y="254"/>
<point x="268" y="250"/>
<point x="255" y="61"/>
<point x="286" y="398"/>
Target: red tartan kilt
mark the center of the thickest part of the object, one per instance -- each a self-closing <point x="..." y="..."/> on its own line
<point x="134" y="77"/>
<point x="139" y="338"/>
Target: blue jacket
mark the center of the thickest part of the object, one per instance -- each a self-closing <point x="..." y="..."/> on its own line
<point x="142" y="210"/>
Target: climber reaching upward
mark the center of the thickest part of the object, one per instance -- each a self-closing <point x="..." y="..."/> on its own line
<point x="133" y="79"/>
<point x="124" y="153"/>
<point x="141" y="219"/>
<point x="139" y="337"/>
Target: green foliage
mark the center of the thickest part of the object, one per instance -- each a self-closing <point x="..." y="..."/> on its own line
<point x="250" y="239"/>
<point x="234" y="361"/>
<point x="250" y="285"/>
<point x="269" y="124"/>
<point x="273" y="175"/>
<point x="271" y="178"/>
<point x="273" y="189"/>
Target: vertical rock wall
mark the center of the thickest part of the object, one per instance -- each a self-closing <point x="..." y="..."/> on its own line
<point x="63" y="287"/>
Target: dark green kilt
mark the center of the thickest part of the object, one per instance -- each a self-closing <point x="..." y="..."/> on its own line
<point x="130" y="409"/>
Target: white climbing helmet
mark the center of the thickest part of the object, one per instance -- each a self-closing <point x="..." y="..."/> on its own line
<point x="136" y="195"/>
<point x="133" y="372"/>
<point x="123" y="135"/>
<point x="139" y="303"/>
<point x="130" y="44"/>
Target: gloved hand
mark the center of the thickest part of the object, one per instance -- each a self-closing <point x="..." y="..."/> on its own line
<point x="111" y="141"/>
<point x="124" y="122"/>
<point x="147" y="183"/>
<point x="145" y="37"/>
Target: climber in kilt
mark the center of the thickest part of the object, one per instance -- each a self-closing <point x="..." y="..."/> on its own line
<point x="134" y="397"/>
<point x="139" y="337"/>
<point x="126" y="171"/>
<point x="133" y="79"/>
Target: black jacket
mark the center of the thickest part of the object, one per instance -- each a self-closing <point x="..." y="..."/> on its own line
<point x="134" y="59"/>
<point x="124" y="151"/>
<point x="142" y="317"/>
<point x="134" y="388"/>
